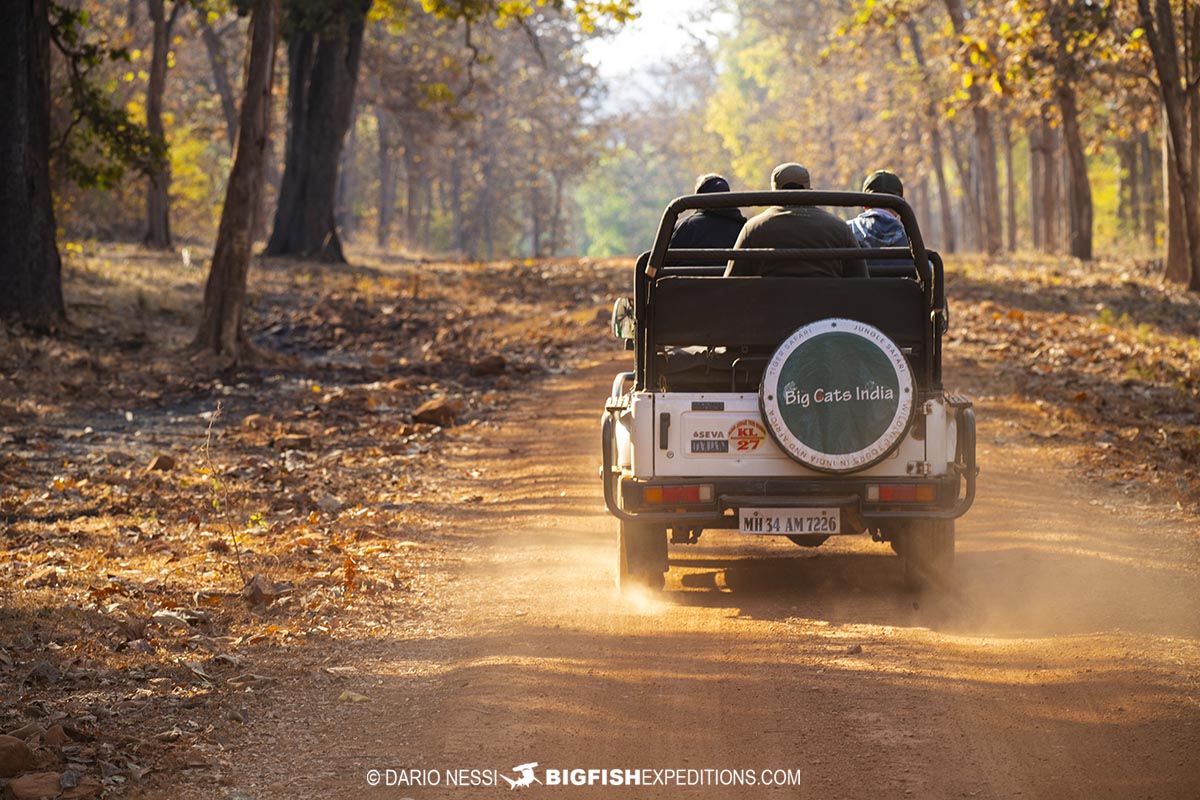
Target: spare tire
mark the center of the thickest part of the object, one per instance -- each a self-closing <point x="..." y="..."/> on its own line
<point x="837" y="396"/>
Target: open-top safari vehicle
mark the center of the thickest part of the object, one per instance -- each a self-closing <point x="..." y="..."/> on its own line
<point x="797" y="407"/>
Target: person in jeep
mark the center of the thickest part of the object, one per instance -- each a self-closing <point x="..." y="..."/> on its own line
<point x="796" y="227"/>
<point x="716" y="228"/>
<point x="880" y="227"/>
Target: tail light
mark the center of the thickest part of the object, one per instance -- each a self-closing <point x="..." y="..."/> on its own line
<point x="901" y="493"/>
<point x="675" y="495"/>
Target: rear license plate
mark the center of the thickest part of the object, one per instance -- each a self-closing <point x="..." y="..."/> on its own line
<point x="789" y="521"/>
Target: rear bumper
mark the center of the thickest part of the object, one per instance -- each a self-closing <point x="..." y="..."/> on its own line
<point x="955" y="492"/>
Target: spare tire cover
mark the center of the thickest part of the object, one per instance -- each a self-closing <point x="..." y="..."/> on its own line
<point x="837" y="396"/>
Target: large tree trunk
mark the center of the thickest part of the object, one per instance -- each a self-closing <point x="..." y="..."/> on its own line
<point x="1049" y="187"/>
<point x="221" y="333"/>
<point x="322" y="72"/>
<point x="989" y="184"/>
<point x="218" y="61"/>
<point x="158" y="195"/>
<point x="1079" y="234"/>
<point x="30" y="268"/>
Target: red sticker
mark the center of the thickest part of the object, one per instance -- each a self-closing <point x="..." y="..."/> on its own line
<point x="746" y="435"/>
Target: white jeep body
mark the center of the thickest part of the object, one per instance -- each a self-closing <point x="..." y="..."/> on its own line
<point x="800" y="406"/>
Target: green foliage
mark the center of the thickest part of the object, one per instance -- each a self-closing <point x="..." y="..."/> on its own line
<point x="622" y="199"/>
<point x="101" y="140"/>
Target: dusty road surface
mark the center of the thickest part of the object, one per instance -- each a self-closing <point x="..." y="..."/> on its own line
<point x="1063" y="663"/>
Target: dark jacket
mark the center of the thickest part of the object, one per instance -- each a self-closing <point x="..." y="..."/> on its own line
<point x="714" y="227"/>
<point x="877" y="228"/>
<point x="798" y="227"/>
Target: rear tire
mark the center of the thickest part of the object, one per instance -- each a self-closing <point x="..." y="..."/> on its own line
<point x="927" y="547"/>
<point x="808" y="539"/>
<point x="642" y="556"/>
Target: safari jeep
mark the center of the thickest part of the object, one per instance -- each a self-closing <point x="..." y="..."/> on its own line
<point x="796" y="407"/>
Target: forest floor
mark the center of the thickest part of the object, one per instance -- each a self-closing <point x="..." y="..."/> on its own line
<point x="266" y="584"/>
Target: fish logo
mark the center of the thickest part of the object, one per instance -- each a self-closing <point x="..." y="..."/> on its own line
<point x="528" y="778"/>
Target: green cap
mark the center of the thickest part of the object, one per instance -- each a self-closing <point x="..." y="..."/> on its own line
<point x="883" y="182"/>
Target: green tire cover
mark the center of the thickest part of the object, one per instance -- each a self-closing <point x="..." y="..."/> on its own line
<point x="837" y="396"/>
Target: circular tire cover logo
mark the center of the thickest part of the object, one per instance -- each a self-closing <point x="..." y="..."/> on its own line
<point x="837" y="396"/>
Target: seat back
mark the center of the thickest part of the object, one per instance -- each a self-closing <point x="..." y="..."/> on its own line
<point x="758" y="312"/>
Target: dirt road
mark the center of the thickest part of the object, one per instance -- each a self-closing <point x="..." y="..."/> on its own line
<point x="1064" y="663"/>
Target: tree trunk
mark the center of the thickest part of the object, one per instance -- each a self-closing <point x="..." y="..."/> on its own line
<point x="1079" y="234"/>
<point x="387" y="181"/>
<point x="1049" y="187"/>
<point x="426" y="217"/>
<point x="1064" y="192"/>
<point x="269" y="192"/>
<point x="945" y="204"/>
<point x="322" y="72"/>
<point x="412" y="193"/>
<point x="1129" y="185"/>
<point x="347" y="186"/>
<point x="1149" y="194"/>
<point x="485" y="202"/>
<point x="989" y="185"/>
<point x="972" y="225"/>
<point x="918" y="199"/>
<point x="535" y="221"/>
<point x="220" y="70"/>
<point x="1181" y="108"/>
<point x="221" y="333"/>
<point x="556" y="218"/>
<point x="1010" y="184"/>
<point x="456" y="215"/>
<point x="30" y="267"/>
<point x="1037" y="165"/>
<point x="158" y="195"/>
<point x="1176" y="268"/>
<point x="936" y="148"/>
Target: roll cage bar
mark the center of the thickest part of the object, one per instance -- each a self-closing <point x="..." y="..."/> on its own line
<point x="661" y="254"/>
